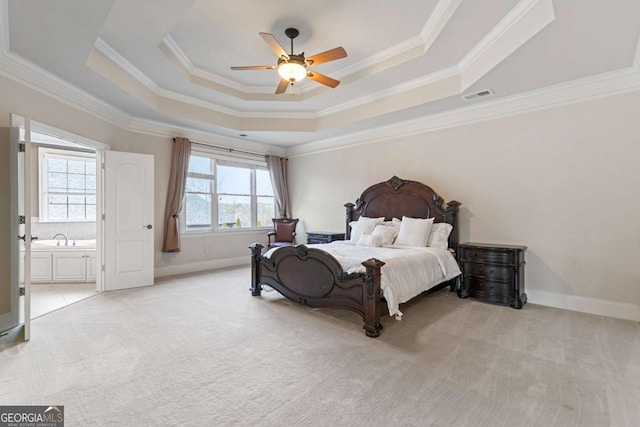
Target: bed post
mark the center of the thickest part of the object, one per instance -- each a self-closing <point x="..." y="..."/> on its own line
<point x="452" y="218"/>
<point x="373" y="295"/>
<point x="256" y="253"/>
<point x="348" y="219"/>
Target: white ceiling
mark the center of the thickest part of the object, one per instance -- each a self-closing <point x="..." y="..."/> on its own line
<point x="167" y="61"/>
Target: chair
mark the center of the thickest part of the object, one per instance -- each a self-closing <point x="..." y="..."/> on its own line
<point x="284" y="232"/>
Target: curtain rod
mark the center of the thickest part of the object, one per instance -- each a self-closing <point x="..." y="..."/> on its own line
<point x="230" y="150"/>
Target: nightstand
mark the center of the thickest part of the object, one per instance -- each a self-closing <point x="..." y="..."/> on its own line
<point x="323" y="237"/>
<point x="492" y="273"/>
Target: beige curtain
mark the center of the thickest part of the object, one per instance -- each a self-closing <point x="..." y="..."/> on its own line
<point x="175" y="194"/>
<point x="278" y="171"/>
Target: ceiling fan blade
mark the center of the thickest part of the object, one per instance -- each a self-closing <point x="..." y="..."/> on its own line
<point x="321" y="78"/>
<point x="255" y="67"/>
<point x="282" y="86"/>
<point x="274" y="45"/>
<point x="329" y="55"/>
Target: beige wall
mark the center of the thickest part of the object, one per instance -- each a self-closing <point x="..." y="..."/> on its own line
<point x="562" y="181"/>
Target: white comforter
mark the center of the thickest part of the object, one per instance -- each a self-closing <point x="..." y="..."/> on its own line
<point x="407" y="272"/>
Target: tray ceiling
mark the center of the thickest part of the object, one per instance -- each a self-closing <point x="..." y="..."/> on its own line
<point x="168" y="61"/>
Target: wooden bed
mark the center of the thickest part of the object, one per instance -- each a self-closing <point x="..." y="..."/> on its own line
<point x="314" y="278"/>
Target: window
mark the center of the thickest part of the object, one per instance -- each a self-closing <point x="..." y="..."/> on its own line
<point x="67" y="185"/>
<point x="226" y="195"/>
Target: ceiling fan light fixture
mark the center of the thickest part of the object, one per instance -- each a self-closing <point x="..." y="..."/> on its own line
<point x="292" y="70"/>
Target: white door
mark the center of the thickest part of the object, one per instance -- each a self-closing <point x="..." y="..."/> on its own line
<point x="128" y="221"/>
<point x="9" y="229"/>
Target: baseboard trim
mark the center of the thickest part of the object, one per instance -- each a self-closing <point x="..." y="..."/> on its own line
<point x="174" y="270"/>
<point x="600" y="307"/>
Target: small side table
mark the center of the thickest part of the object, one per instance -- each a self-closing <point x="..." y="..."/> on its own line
<point x="492" y="273"/>
<point x="323" y="237"/>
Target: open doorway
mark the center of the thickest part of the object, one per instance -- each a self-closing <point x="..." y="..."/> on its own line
<point x="64" y="197"/>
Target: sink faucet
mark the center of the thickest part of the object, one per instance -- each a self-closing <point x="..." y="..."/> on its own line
<point x="66" y="239"/>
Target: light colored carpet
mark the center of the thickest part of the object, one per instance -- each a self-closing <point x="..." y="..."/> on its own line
<point x="199" y="350"/>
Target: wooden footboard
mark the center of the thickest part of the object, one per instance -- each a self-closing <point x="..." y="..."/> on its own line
<point x="314" y="278"/>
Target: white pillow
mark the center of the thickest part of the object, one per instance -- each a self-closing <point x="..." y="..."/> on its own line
<point x="395" y="222"/>
<point x="370" y="240"/>
<point x="387" y="233"/>
<point x="414" y="231"/>
<point x="364" y="225"/>
<point x="439" y="235"/>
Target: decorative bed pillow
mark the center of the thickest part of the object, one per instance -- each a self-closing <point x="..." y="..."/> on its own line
<point x="370" y="240"/>
<point x="364" y="225"/>
<point x="414" y="231"/>
<point x="387" y="233"/>
<point x="439" y="235"/>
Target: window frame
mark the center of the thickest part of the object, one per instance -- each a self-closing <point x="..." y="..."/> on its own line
<point x="222" y="160"/>
<point x="43" y="182"/>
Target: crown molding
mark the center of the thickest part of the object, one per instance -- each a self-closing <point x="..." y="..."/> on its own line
<point x="594" y="87"/>
<point x="127" y="66"/>
<point x="170" y="47"/>
<point x="524" y="21"/>
<point x="406" y="50"/>
<point x="154" y="128"/>
<point x="30" y="75"/>
<point x="515" y="15"/>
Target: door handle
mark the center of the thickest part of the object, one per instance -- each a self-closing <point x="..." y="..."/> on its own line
<point x="149" y="227"/>
<point x="24" y="235"/>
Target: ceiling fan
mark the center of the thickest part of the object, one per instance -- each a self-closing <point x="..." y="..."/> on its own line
<point x="294" y="68"/>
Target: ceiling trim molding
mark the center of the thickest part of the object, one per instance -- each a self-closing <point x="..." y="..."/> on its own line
<point x="170" y="48"/>
<point x="525" y="20"/>
<point x="437" y="21"/>
<point x="599" y="86"/>
<point x="492" y="49"/>
<point x="154" y="96"/>
<point x="150" y="127"/>
<point x="406" y="50"/>
<point x="127" y="66"/>
<point x="28" y="74"/>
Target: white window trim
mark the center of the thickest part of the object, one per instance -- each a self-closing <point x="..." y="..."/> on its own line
<point x="43" y="181"/>
<point x="226" y="161"/>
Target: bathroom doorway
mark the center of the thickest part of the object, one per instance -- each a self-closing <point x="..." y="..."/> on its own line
<point x="64" y="204"/>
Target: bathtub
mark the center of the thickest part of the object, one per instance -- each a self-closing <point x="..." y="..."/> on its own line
<point x="54" y="245"/>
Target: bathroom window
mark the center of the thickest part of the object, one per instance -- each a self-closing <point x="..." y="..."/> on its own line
<point x="67" y="185"/>
<point x="226" y="195"/>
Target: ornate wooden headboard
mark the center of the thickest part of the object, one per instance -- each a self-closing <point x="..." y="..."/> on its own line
<point x="398" y="197"/>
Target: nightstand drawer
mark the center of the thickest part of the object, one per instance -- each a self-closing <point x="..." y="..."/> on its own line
<point x="323" y="237"/>
<point x="489" y="271"/>
<point x="475" y="284"/>
<point x="487" y="256"/>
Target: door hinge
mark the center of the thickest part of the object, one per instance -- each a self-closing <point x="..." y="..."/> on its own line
<point x="102" y="268"/>
<point x="21" y="147"/>
<point x="102" y="165"/>
<point x="22" y="219"/>
<point x="22" y="291"/>
<point x="103" y="216"/>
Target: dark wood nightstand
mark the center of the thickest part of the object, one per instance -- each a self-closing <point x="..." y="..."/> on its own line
<point x="323" y="237"/>
<point x="492" y="273"/>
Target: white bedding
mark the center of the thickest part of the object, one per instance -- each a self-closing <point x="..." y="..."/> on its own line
<point x="407" y="272"/>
